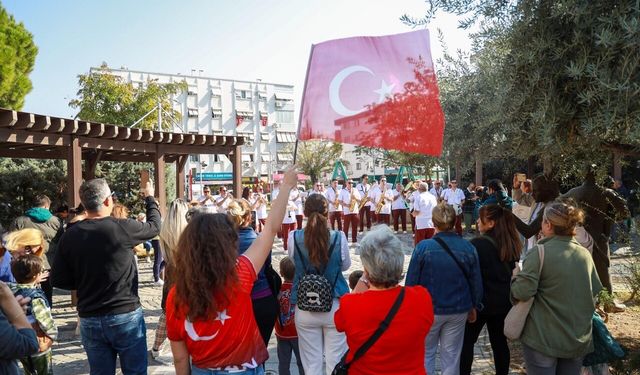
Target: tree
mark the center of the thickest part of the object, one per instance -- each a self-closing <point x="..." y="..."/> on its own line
<point x="17" y="58"/>
<point x="569" y="74"/>
<point x="104" y="97"/>
<point x="314" y="157"/>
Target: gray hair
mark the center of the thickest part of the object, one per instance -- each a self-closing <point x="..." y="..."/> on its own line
<point x="423" y="186"/>
<point x="382" y="256"/>
<point x="93" y="193"/>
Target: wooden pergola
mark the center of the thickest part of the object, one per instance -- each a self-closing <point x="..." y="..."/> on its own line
<point x="29" y="135"/>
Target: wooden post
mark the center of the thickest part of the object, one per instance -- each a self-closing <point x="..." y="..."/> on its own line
<point x="91" y="163"/>
<point x="74" y="172"/>
<point x="161" y="191"/>
<point x="617" y="166"/>
<point x="236" y="163"/>
<point x="478" y="169"/>
<point x="180" y="163"/>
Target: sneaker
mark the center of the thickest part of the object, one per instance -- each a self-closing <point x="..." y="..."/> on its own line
<point x="155" y="353"/>
<point x="160" y="282"/>
<point x="395" y="231"/>
<point x="405" y="232"/>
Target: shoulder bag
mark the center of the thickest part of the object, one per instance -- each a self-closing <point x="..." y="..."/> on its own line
<point x="517" y="316"/>
<point x="464" y="272"/>
<point x="342" y="368"/>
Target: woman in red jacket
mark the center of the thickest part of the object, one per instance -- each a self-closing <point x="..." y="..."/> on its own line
<point x="400" y="349"/>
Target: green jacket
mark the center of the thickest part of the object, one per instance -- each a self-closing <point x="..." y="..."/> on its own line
<point x="559" y="322"/>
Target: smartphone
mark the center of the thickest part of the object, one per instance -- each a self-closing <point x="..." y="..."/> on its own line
<point x="521" y="177"/>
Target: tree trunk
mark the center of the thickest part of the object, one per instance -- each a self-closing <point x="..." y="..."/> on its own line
<point x="617" y="166"/>
<point x="478" y="169"/>
<point x="546" y="165"/>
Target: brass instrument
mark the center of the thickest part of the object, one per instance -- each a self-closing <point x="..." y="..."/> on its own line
<point x="381" y="203"/>
<point x="353" y="202"/>
<point x="336" y="202"/>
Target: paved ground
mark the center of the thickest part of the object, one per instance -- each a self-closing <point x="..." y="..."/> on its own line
<point x="69" y="356"/>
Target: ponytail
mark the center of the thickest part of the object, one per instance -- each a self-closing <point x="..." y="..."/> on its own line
<point x="316" y="233"/>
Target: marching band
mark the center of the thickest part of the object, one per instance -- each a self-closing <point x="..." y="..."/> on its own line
<point x="352" y="207"/>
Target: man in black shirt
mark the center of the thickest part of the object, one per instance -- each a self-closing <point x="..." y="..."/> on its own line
<point x="95" y="258"/>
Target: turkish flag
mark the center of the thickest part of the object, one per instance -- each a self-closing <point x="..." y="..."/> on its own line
<point x="374" y="92"/>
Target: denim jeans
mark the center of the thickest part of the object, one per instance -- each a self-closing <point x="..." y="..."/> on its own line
<point x="541" y="364"/>
<point x="108" y="336"/>
<point x="446" y="336"/>
<point x="203" y="371"/>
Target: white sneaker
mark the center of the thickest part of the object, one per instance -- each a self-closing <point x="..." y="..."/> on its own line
<point x="155" y="353"/>
<point x="405" y="232"/>
<point x="160" y="282"/>
<point x="395" y="231"/>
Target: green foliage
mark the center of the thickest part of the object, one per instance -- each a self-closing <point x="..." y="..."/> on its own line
<point x="555" y="80"/>
<point x="104" y="97"/>
<point x="21" y="180"/>
<point x="314" y="157"/>
<point x="17" y="58"/>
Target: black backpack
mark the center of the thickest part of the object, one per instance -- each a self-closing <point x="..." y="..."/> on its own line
<point x="315" y="293"/>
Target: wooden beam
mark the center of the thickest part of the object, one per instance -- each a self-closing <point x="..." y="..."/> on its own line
<point x="147" y="136"/>
<point x="25" y="121"/>
<point x="8" y="118"/>
<point x="123" y="133"/>
<point x="115" y="145"/>
<point x="141" y="158"/>
<point x="136" y="134"/>
<point x="97" y="130"/>
<point x="43" y="123"/>
<point x="74" y="172"/>
<point x="27" y="137"/>
<point x="110" y="131"/>
<point x="70" y="126"/>
<point x="219" y="140"/>
<point x="83" y="128"/>
<point x="159" y="175"/>
<point x="57" y="125"/>
<point x="180" y="175"/>
<point x="189" y="139"/>
<point x="236" y="164"/>
<point x="177" y="139"/>
<point x="156" y="137"/>
<point x="56" y="153"/>
<point x="167" y="137"/>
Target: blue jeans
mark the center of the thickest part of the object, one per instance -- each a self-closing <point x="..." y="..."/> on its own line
<point x="445" y="336"/>
<point x="105" y="337"/>
<point x="201" y="371"/>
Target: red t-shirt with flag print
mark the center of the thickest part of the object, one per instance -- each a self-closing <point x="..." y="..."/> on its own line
<point x="231" y="339"/>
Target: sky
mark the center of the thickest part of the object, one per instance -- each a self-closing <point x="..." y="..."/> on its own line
<point x="240" y="39"/>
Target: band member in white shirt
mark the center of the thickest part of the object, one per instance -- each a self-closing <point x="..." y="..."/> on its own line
<point x="422" y="210"/>
<point x="412" y="200"/>
<point x="297" y="197"/>
<point x="384" y="198"/>
<point x="365" y="208"/>
<point x="350" y="199"/>
<point x="260" y="205"/>
<point x="455" y="197"/>
<point x="399" y="209"/>
<point x="437" y="190"/>
<point x="371" y="197"/>
<point x="207" y="200"/>
<point x="316" y="189"/>
<point x="288" y="222"/>
<point x="335" y="209"/>
<point x="222" y="199"/>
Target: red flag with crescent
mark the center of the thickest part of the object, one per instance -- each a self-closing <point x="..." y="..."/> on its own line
<point x="374" y="92"/>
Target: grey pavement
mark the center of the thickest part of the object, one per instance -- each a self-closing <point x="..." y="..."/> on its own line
<point x="70" y="358"/>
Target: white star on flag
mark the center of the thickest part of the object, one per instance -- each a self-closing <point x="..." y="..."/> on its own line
<point x="222" y="316"/>
<point x="384" y="91"/>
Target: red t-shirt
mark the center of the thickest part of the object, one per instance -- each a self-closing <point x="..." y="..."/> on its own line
<point x="232" y="338"/>
<point x="285" y="324"/>
<point x="400" y="349"/>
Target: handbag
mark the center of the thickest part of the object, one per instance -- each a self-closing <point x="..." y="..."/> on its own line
<point x="342" y="368"/>
<point x="315" y="292"/>
<point x="517" y="316"/>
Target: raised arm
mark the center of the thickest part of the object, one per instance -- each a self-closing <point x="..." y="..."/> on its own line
<point x="260" y="248"/>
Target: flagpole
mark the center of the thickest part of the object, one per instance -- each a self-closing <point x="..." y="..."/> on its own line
<point x="304" y="91"/>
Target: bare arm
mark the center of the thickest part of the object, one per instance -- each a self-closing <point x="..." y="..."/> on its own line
<point x="180" y="357"/>
<point x="260" y="248"/>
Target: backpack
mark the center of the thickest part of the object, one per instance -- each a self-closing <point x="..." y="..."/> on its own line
<point x="315" y="293"/>
<point x="44" y="342"/>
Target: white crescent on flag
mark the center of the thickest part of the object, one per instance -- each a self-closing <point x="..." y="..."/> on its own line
<point x="334" y="89"/>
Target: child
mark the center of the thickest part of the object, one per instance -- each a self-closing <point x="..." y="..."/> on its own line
<point x="27" y="270"/>
<point x="285" y="324"/>
<point x="353" y="278"/>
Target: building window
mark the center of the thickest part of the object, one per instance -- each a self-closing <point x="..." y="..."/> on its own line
<point x="242" y="116"/>
<point x="284" y="117"/>
<point x="285" y="157"/>
<point x="262" y="96"/>
<point x="192" y="92"/>
<point x="216" y="101"/>
<point x="243" y="94"/>
<point x="193" y="158"/>
<point x="216" y="113"/>
<point x="358" y="166"/>
<point x="192" y="112"/>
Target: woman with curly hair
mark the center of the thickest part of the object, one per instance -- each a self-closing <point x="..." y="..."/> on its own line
<point x="210" y="321"/>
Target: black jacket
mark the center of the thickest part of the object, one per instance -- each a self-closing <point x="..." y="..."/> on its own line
<point x="496" y="277"/>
